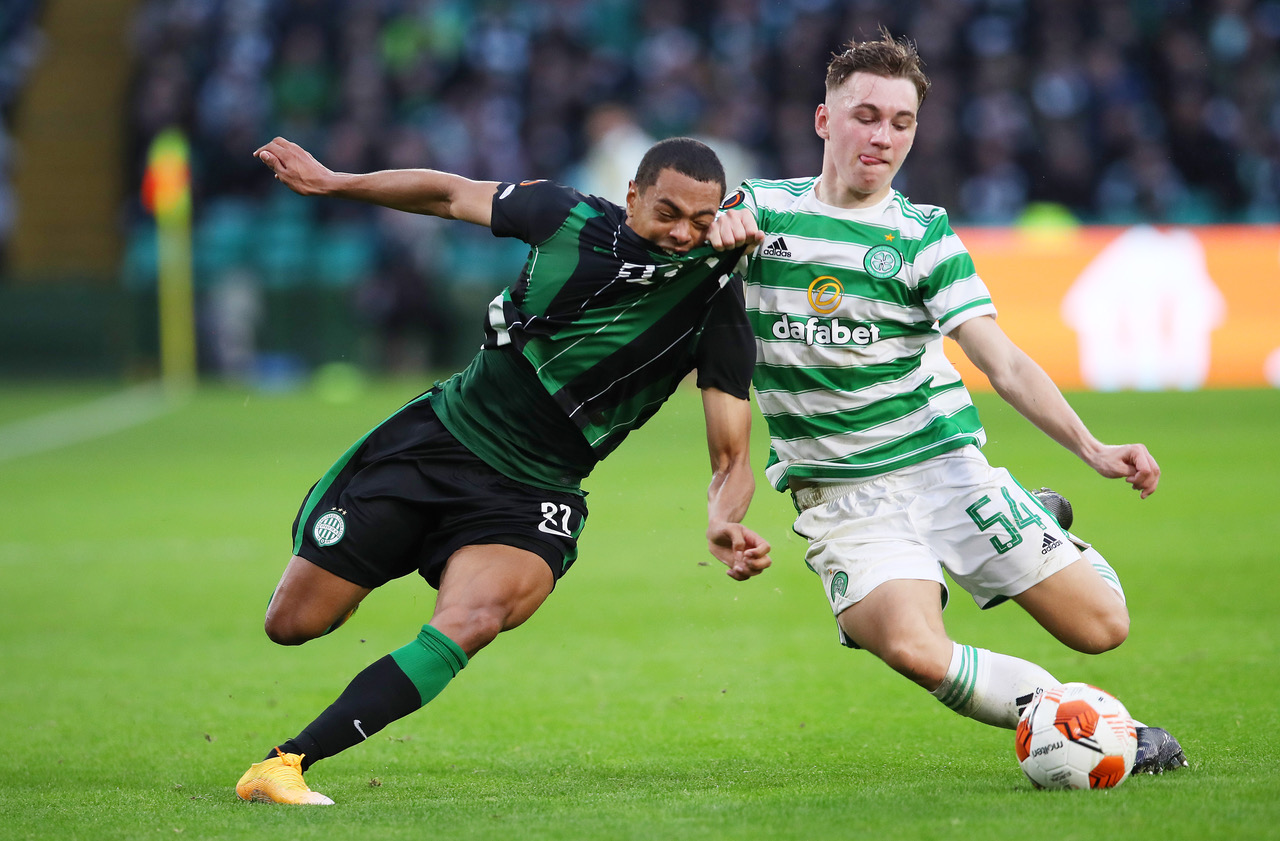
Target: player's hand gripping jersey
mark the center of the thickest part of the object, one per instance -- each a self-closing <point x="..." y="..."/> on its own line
<point x="849" y="309"/>
<point x="595" y="335"/>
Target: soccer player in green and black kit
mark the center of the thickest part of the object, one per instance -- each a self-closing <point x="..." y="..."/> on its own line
<point x="851" y="290"/>
<point x="476" y="484"/>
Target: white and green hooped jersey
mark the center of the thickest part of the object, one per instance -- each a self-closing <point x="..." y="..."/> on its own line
<point x="849" y="309"/>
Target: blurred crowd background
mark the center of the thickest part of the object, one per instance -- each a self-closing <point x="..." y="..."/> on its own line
<point x="1102" y="111"/>
<point x="19" y="48"/>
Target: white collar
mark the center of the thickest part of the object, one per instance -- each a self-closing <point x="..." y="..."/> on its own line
<point x="853" y="214"/>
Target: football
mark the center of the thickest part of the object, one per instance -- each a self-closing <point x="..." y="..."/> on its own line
<point x="1075" y="736"/>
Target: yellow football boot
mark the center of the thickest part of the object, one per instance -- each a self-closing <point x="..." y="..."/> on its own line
<point x="278" y="780"/>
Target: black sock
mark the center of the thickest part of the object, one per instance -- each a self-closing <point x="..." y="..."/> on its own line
<point x="302" y="744"/>
<point x="376" y="697"/>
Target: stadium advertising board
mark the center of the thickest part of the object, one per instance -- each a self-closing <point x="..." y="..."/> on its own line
<point x="1149" y="308"/>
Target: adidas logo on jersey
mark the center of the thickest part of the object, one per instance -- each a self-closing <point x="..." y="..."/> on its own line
<point x="1050" y="543"/>
<point x="777" y="248"/>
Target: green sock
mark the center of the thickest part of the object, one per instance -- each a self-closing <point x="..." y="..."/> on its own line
<point x="430" y="661"/>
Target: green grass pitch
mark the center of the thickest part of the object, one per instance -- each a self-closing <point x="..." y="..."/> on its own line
<point x="652" y="696"/>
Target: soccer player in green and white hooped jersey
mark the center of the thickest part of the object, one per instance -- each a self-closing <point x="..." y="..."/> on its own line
<point x="476" y="485"/>
<point x="853" y="380"/>
<point x="851" y="289"/>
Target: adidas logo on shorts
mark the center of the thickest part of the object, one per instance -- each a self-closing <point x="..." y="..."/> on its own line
<point x="1050" y="543"/>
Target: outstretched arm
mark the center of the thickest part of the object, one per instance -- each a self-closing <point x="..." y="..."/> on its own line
<point x="424" y="191"/>
<point x="1024" y="385"/>
<point x="739" y="548"/>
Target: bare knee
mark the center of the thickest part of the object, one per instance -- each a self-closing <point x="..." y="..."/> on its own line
<point x="922" y="661"/>
<point x="472" y="628"/>
<point x="284" y="629"/>
<point x="1079" y="608"/>
<point x="488" y="589"/>
<point x="309" y="602"/>
<point x="299" y="624"/>
<point x="1100" y="632"/>
<point x="284" y="635"/>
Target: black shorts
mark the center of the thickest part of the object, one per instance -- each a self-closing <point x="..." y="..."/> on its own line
<point x="408" y="495"/>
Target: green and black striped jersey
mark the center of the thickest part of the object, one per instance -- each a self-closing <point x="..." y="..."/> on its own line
<point x="596" y="334"/>
<point x="849" y="308"/>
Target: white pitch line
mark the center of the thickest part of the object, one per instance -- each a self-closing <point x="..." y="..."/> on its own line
<point x="86" y="421"/>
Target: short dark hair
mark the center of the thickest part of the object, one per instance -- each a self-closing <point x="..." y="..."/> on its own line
<point x="686" y="156"/>
<point x="887" y="57"/>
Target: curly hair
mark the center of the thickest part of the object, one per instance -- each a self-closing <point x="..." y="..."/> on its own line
<point x="686" y="156"/>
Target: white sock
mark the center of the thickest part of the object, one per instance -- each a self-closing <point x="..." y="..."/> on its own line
<point x="989" y="687"/>
<point x="1104" y="569"/>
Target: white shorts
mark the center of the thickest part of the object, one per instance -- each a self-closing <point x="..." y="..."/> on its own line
<point x="954" y="512"/>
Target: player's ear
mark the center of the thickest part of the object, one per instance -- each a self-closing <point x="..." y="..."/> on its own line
<point x="633" y="193"/>
<point x="820" y="118"/>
